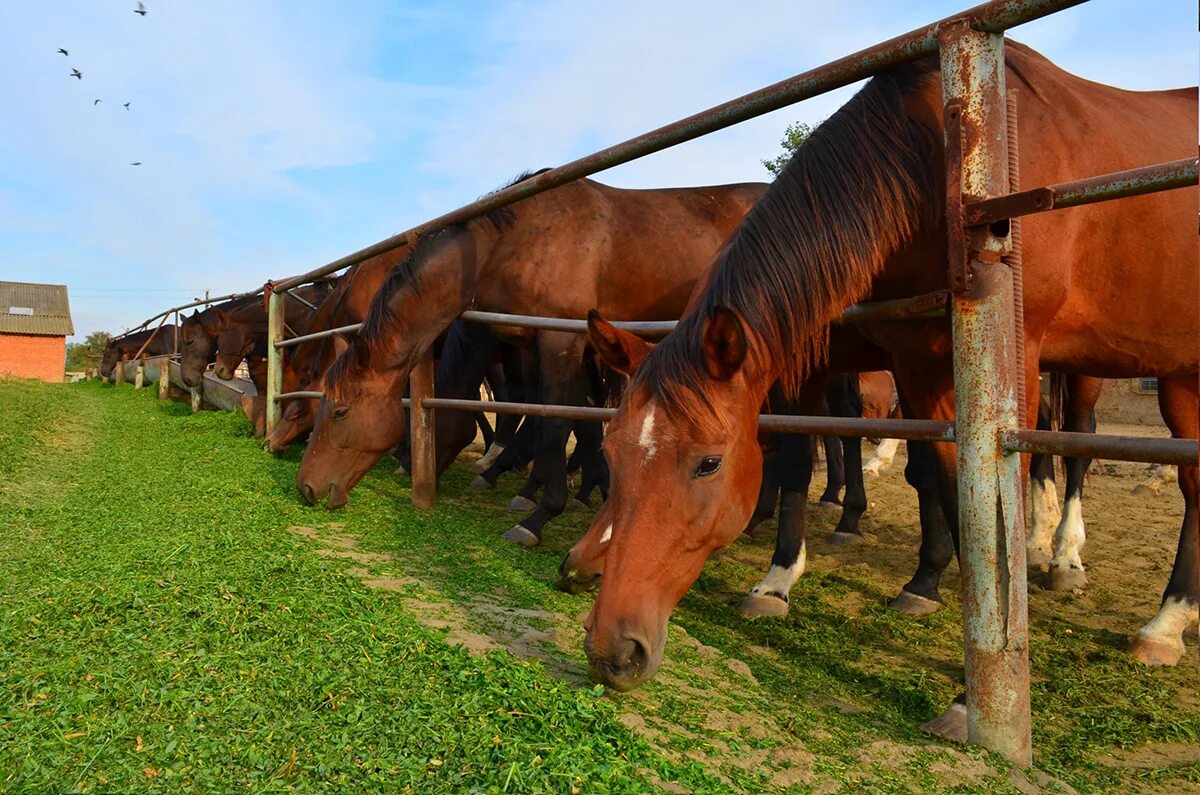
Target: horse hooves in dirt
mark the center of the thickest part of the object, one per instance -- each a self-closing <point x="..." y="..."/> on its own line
<point x="480" y="483"/>
<point x="1156" y="651"/>
<point x="520" y="504"/>
<point x="951" y="724"/>
<point x="519" y="535"/>
<point x="847" y="538"/>
<point x="763" y="606"/>
<point x="1065" y="578"/>
<point x="911" y="604"/>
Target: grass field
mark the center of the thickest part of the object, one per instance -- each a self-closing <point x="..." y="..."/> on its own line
<point x="174" y="619"/>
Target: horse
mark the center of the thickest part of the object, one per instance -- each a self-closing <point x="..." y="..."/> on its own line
<point x="635" y="254"/>
<point x="162" y="341"/>
<point x="198" y="337"/>
<point x="305" y="364"/>
<point x="858" y="214"/>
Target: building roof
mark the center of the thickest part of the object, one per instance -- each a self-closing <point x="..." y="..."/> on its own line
<point x="42" y="309"/>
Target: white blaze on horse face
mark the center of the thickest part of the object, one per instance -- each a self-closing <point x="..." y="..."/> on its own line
<point x="780" y="579"/>
<point x="604" y="539"/>
<point x="646" y="437"/>
<point x="1046" y="516"/>
<point x="1070" y="537"/>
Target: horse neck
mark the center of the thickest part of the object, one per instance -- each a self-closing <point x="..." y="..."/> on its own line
<point x="441" y="288"/>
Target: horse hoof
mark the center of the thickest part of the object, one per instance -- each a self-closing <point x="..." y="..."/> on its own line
<point x="871" y="471"/>
<point x="950" y="725"/>
<point x="1037" y="560"/>
<point x="1142" y="489"/>
<point x="910" y="604"/>
<point x="481" y="483"/>
<point x="519" y="535"/>
<point x="847" y="538"/>
<point x="402" y="470"/>
<point x="764" y="606"/>
<point x="1065" y="578"/>
<point x="827" y="505"/>
<point x="1156" y="651"/>
<point x="521" y="504"/>
<point x="477" y="467"/>
<point x="575" y="505"/>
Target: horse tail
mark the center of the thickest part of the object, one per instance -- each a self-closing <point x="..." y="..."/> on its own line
<point x="1057" y="400"/>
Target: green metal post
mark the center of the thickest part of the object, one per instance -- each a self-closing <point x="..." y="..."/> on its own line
<point x="275" y="315"/>
<point x="986" y="359"/>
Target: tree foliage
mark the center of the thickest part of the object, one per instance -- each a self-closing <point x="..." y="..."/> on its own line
<point x="795" y="134"/>
<point x="81" y="355"/>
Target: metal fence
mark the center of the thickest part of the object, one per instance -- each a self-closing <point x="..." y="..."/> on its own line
<point x="987" y="429"/>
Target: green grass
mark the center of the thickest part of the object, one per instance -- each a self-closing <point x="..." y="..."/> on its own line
<point x="161" y="630"/>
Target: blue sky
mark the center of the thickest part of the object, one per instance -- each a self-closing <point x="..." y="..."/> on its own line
<point x="279" y="136"/>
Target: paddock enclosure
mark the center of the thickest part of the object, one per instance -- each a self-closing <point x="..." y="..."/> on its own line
<point x="830" y="696"/>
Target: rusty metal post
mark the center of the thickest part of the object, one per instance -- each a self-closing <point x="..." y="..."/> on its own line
<point x="995" y="610"/>
<point x="164" y="378"/>
<point x="424" y="461"/>
<point x="139" y="375"/>
<point x="118" y="373"/>
<point x="197" y="397"/>
<point x="275" y="317"/>
<point x="175" y="342"/>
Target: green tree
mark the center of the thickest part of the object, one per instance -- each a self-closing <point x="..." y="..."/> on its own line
<point x="81" y="355"/>
<point x="795" y="134"/>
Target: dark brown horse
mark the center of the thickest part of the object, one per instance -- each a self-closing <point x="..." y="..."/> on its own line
<point x="162" y="341"/>
<point x="242" y="329"/>
<point x="1109" y="290"/>
<point x="635" y="254"/>
<point x="198" y="338"/>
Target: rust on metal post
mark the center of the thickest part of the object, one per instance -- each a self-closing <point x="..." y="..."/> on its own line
<point x="164" y="378"/>
<point x="197" y="393"/>
<point x="139" y="375"/>
<point x="424" y="460"/>
<point x="995" y="613"/>
<point x="275" y="315"/>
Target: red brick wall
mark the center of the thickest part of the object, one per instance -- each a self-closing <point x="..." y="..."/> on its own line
<point x="33" y="357"/>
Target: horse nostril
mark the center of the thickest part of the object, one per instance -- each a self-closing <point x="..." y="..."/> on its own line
<point x="309" y="493"/>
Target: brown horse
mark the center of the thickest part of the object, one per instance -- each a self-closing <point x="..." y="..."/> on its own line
<point x="162" y="341"/>
<point x="198" y="335"/>
<point x="242" y="330"/>
<point x="305" y="364"/>
<point x="635" y="254"/>
<point x="1110" y="289"/>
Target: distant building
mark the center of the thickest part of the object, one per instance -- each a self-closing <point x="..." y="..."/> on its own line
<point x="35" y="320"/>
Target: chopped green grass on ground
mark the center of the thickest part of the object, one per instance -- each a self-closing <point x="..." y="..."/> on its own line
<point x="174" y="619"/>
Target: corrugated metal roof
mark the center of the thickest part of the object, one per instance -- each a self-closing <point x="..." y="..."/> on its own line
<point x="42" y="309"/>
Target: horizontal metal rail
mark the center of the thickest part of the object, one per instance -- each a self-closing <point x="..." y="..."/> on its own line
<point x="928" y="305"/>
<point x="1120" y="184"/>
<point x="165" y="312"/>
<point x="300" y="394"/>
<point x="992" y="17"/>
<point x="1181" y="452"/>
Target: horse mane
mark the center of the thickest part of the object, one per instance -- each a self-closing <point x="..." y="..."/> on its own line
<point x="854" y="193"/>
<point x="405" y="275"/>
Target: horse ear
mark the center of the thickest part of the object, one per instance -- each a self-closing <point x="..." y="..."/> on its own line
<point x="219" y="314"/>
<point x="360" y="351"/>
<point x="340" y="344"/>
<point x="620" y="350"/>
<point x="723" y="343"/>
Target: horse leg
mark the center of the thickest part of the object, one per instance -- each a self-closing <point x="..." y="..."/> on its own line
<point x="854" y="503"/>
<point x="526" y="499"/>
<point x="1161" y="641"/>
<point x="485" y="428"/>
<point x="1066" y="567"/>
<point x="564" y="382"/>
<point x="794" y="464"/>
<point x="835" y="471"/>
<point x="920" y="596"/>
<point x="593" y="470"/>
<point x="769" y="490"/>
<point x="1044" y="510"/>
<point x="885" y="454"/>
<point x="514" y="456"/>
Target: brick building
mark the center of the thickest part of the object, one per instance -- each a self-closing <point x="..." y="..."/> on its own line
<point x="35" y="320"/>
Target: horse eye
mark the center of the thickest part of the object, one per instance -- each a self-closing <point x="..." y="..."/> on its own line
<point x="708" y="466"/>
<point x="338" y="413"/>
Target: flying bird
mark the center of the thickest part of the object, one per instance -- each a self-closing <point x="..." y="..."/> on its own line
<point x="64" y="52"/>
<point x="136" y="163"/>
<point x="95" y="102"/>
<point x="77" y="74"/>
<point x="126" y="106"/>
<point x="141" y="9"/>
